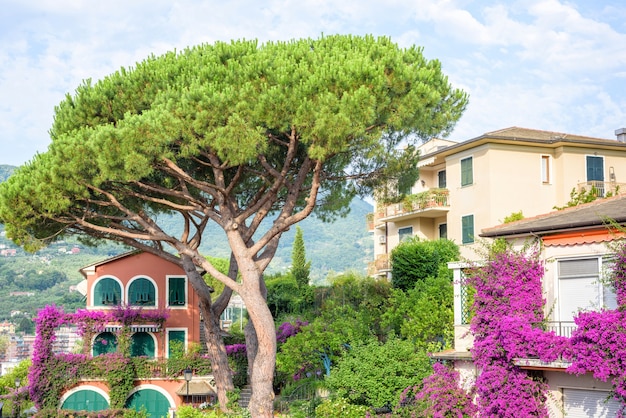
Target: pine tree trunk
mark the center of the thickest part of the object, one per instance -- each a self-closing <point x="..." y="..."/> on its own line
<point x="264" y="362"/>
<point x="215" y="344"/>
<point x="217" y="355"/>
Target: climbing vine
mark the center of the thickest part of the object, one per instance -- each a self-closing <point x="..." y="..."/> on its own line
<point x="51" y="374"/>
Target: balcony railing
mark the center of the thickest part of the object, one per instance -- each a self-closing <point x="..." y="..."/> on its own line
<point x="601" y="188"/>
<point x="561" y="328"/>
<point x="414" y="204"/>
<point x="379" y="266"/>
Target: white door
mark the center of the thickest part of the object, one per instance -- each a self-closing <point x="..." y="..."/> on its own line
<point x="581" y="403"/>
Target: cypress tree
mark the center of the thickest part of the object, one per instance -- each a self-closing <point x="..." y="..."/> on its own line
<point x="300" y="268"/>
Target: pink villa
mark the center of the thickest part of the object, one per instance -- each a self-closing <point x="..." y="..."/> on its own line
<point x="141" y="334"/>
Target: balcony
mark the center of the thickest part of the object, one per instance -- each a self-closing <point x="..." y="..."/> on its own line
<point x="429" y="204"/>
<point x="380" y="266"/>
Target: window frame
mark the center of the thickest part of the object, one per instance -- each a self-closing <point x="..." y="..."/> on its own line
<point x="154" y="288"/>
<point x="442" y="184"/>
<point x="467" y="172"/>
<point x="168" y="290"/>
<point x="589" y="158"/>
<point x="546" y="165"/>
<point x="464" y="235"/>
<point x="403" y="235"/>
<point x="94" y="288"/>
<point x="154" y="342"/>
<point x="445" y="225"/>
<point x="597" y="279"/>
<point x="167" y="339"/>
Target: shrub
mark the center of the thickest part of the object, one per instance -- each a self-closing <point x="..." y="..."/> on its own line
<point x="340" y="408"/>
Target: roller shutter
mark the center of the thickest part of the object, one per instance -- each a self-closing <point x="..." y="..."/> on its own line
<point x="579" y="403"/>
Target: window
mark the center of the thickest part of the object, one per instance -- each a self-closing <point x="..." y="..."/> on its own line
<point x="141" y="293"/>
<point x="175" y="343"/>
<point x="441" y="179"/>
<point x="595" y="168"/>
<point x="580" y="287"/>
<point x="595" y="174"/>
<point x="107" y="292"/>
<point x="545" y="169"/>
<point x="467" y="229"/>
<point x="404" y="233"/>
<point x="467" y="172"/>
<point x="443" y="231"/>
<point x="142" y="344"/>
<point x="176" y="291"/>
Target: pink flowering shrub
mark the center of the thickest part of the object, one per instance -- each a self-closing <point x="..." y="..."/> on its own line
<point x="443" y="395"/>
<point x="287" y="329"/>
<point x="508" y="305"/>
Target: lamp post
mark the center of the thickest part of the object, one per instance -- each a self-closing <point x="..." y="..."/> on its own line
<point x="188" y="375"/>
<point x="16" y="404"/>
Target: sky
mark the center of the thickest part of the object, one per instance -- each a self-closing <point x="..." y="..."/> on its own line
<point x="554" y="65"/>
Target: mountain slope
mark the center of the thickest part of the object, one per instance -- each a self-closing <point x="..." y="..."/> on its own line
<point x="331" y="247"/>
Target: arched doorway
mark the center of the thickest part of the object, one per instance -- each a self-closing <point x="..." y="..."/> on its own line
<point x="85" y="400"/>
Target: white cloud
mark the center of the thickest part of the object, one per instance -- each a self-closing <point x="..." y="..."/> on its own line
<point x="544" y="64"/>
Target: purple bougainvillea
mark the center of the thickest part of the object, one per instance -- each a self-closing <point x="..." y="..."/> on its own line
<point x="508" y="307"/>
<point x="444" y="395"/>
<point x="508" y="313"/>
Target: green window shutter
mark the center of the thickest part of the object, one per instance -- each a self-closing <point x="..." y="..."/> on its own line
<point x="176" y="343"/>
<point x="595" y="168"/>
<point x="467" y="172"/>
<point x="176" y="286"/>
<point x="104" y="343"/>
<point x="107" y="292"/>
<point x="467" y="225"/>
<point x="142" y="293"/>
<point x="142" y="344"/>
<point x="441" y="179"/>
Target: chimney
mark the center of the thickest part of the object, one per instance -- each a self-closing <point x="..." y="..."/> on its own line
<point x="621" y="134"/>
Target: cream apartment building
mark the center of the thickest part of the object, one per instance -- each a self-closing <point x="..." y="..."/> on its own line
<point x="467" y="186"/>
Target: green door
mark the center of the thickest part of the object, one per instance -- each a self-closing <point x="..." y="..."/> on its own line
<point x="176" y="343"/>
<point x="85" y="400"/>
<point x="154" y="403"/>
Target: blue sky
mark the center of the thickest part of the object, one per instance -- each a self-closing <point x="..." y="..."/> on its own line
<point x="546" y="64"/>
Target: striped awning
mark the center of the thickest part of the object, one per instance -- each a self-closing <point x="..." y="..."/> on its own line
<point x="134" y="328"/>
<point x="144" y="328"/>
<point x="112" y="328"/>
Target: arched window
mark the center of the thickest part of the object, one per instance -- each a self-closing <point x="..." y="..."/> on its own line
<point x="104" y="343"/>
<point x="141" y="292"/>
<point x="107" y="292"/>
<point x="142" y="344"/>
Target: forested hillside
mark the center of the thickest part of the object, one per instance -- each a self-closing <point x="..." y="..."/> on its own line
<point x="332" y="248"/>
